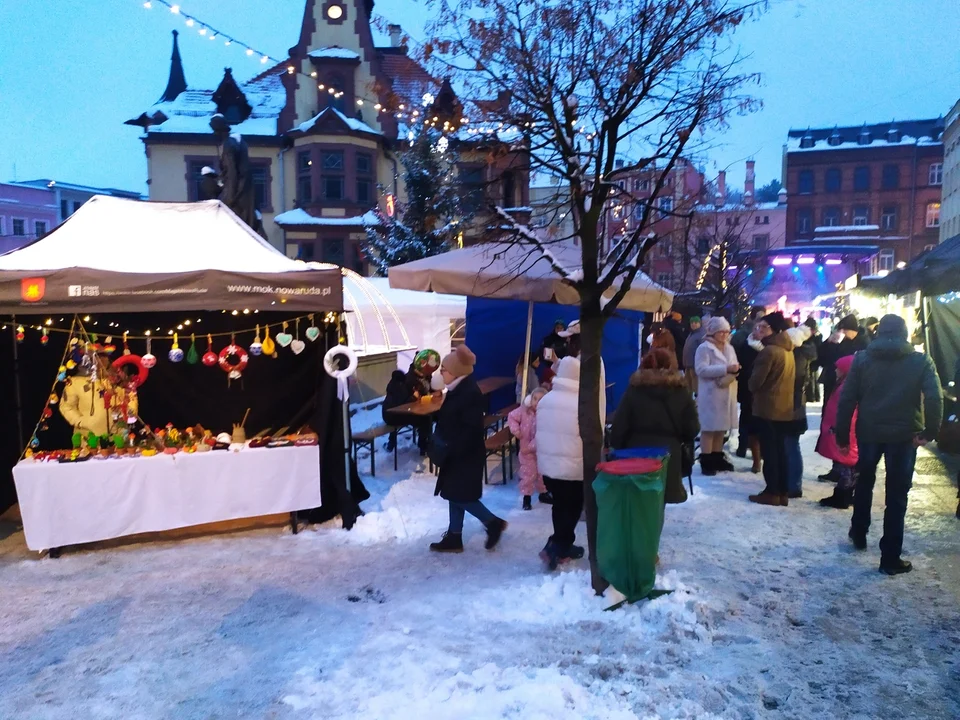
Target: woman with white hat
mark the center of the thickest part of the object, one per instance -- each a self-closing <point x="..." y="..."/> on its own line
<point x="717" y="368"/>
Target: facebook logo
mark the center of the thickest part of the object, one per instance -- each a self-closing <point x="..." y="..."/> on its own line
<point x="74" y="290"/>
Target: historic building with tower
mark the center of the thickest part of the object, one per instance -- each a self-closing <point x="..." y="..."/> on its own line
<point x="323" y="129"/>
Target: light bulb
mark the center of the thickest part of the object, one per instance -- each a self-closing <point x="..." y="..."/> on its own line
<point x="249" y="51"/>
<point x="189" y="22"/>
<point x="175" y="9"/>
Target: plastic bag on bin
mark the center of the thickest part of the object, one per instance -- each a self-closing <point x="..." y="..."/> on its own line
<point x="629" y="521"/>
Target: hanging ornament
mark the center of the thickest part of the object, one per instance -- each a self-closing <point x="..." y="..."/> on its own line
<point x="62" y="373"/>
<point x="126" y="348"/>
<point x="20" y="335"/>
<point x="269" y="347"/>
<point x="53" y="400"/>
<point x="193" y="357"/>
<point x="34" y="442"/>
<point x="44" y="337"/>
<point x="312" y="332"/>
<point x="108" y="347"/>
<point x="71" y="364"/>
<point x="149" y="360"/>
<point x="233" y="360"/>
<point x="297" y="345"/>
<point x="175" y="354"/>
<point x="256" y="347"/>
<point x="210" y="357"/>
<point x="283" y="337"/>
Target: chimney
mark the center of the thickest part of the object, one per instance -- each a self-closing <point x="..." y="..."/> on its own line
<point x="618" y="164"/>
<point x="395" y="32"/>
<point x="720" y="199"/>
<point x="749" y="184"/>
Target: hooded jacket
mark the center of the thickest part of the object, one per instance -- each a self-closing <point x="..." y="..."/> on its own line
<point x="831" y="352"/>
<point x="773" y="378"/>
<point x="894" y="389"/>
<point x="559" y="446"/>
<point x="804" y="354"/>
<point x="829" y="444"/>
<point x="658" y="411"/>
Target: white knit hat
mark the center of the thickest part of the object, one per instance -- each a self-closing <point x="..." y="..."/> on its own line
<point x="717" y="324"/>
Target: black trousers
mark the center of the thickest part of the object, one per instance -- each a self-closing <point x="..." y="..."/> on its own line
<point x="772" y="448"/>
<point x="567" y="508"/>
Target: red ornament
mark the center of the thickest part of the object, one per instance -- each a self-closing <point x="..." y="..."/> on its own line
<point x="210" y="357"/>
<point x="137" y="362"/>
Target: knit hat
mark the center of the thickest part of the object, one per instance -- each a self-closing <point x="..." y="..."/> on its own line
<point x="892" y="326"/>
<point x="460" y="362"/>
<point x="870" y="322"/>
<point x="850" y="322"/>
<point x="811" y="323"/>
<point x="717" y="324"/>
<point x="694" y="318"/>
<point x="842" y="366"/>
<point x="776" y="321"/>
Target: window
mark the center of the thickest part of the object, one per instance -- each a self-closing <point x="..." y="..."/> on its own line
<point x="304" y="178"/>
<point x="888" y="217"/>
<point x="664" y="249"/>
<point x="834" y="180"/>
<point x="666" y="206"/>
<point x="638" y="211"/>
<point x="76" y="205"/>
<point x="766" y="219"/>
<point x="757" y="220"/>
<point x="39" y="228"/>
<point x="333" y="251"/>
<point x="861" y="179"/>
<point x="336" y="100"/>
<point x="933" y="216"/>
<point x="1" y="227"/>
<point x="891" y="177"/>
<point x="831" y="216"/>
<point x="199" y="186"/>
<point x="364" y="179"/>
<point x="261" y="188"/>
<point x="761" y="242"/>
<point x="703" y="245"/>
<point x="806" y="182"/>
<point x="622" y="184"/>
<point x="886" y="260"/>
<point x="331" y="179"/>
<point x="19" y="227"/>
<point x="644" y="184"/>
<point x="471" y="179"/>
<point x="509" y="186"/>
<point x="665" y="279"/>
<point x="861" y="215"/>
<point x="936" y="174"/>
<point x="636" y="186"/>
<point x="64" y="209"/>
<point x="804" y="221"/>
<point x="306" y="251"/>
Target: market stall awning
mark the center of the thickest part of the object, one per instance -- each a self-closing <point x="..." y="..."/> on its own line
<point x="117" y="255"/>
<point x="934" y="272"/>
<point x="516" y="271"/>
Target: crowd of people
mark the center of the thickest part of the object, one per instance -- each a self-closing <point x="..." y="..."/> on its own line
<point x="699" y="379"/>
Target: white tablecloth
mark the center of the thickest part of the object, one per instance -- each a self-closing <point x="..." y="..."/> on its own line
<point x="70" y="503"/>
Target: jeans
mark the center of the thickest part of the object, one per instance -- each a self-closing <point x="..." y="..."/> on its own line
<point x="900" y="458"/>
<point x="475" y="508"/>
<point x="772" y="436"/>
<point x="794" y="458"/>
<point x="567" y="508"/>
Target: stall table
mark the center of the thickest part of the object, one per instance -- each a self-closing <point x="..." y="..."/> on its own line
<point x="421" y="409"/>
<point x="99" y="499"/>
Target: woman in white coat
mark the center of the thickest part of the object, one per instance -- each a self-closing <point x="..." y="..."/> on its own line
<point x="717" y="368"/>
<point x="560" y="460"/>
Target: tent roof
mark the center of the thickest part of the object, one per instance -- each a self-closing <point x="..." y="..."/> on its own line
<point x="127" y="255"/>
<point x="933" y="273"/>
<point x="516" y="271"/>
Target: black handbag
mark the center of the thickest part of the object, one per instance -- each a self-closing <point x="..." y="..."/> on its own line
<point x="686" y="451"/>
<point x="438" y="450"/>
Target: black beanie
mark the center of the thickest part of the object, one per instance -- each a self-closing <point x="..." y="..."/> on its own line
<point x="850" y="322"/>
<point x="776" y="321"/>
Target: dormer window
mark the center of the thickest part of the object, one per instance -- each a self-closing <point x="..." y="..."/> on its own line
<point x="865" y="137"/>
<point x="806" y="142"/>
<point x="893" y="135"/>
<point x="835" y="139"/>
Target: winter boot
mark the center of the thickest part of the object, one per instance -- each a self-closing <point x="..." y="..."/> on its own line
<point x="495" y="529"/>
<point x="721" y="462"/>
<point x="757" y="456"/>
<point x="391" y="443"/>
<point x="859" y="539"/>
<point x="895" y="567"/>
<point x="768" y="498"/>
<point x="527" y="504"/>
<point x="840" y="499"/>
<point x="545" y="498"/>
<point x="741" y="450"/>
<point x="832" y="476"/>
<point x="574" y="552"/>
<point x="450" y="543"/>
<point x="550" y="555"/>
<point x="708" y="464"/>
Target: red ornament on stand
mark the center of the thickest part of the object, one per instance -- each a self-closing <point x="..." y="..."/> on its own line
<point x="44" y="338"/>
<point x="210" y="358"/>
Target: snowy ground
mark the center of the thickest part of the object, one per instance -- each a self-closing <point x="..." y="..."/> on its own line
<point x="773" y="615"/>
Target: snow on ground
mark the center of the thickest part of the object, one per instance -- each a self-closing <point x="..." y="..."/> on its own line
<point x="772" y="615"/>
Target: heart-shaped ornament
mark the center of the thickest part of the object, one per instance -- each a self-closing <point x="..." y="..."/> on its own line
<point x="312" y="333"/>
<point x="284" y="339"/>
<point x="298" y="346"/>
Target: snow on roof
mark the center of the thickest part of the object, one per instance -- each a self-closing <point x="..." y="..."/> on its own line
<point x="352" y="123"/>
<point x="846" y="228"/>
<point x="334" y="52"/>
<point x="299" y="216"/>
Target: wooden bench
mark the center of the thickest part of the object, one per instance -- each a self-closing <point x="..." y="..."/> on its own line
<point x="368" y="439"/>
<point x="499" y="444"/>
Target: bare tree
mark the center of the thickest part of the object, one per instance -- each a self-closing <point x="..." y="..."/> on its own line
<point x="592" y="81"/>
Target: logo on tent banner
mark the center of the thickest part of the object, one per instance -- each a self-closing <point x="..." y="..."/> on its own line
<point x="32" y="289"/>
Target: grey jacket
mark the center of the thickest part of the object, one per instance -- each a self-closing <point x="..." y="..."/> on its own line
<point x="690" y="347"/>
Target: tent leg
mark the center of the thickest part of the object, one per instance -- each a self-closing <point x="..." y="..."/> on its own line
<point x="346" y="442"/>
<point x="16" y="382"/>
<point x="526" y="352"/>
<point x="924" y="307"/>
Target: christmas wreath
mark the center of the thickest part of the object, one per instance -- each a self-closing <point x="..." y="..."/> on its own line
<point x="233" y="369"/>
<point x="137" y="362"/>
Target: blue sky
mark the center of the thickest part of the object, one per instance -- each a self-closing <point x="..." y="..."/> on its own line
<point x="71" y="72"/>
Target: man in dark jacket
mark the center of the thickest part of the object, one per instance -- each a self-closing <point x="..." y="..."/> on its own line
<point x="813" y="380"/>
<point x="849" y="339"/>
<point x="697" y="335"/>
<point x="400" y="391"/>
<point x="739" y="338"/>
<point x="897" y="395"/>
<point x="674" y="323"/>
<point x="772" y="385"/>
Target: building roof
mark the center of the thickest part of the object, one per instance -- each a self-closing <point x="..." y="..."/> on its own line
<point x="49" y="184"/>
<point x="352" y="123"/>
<point x="334" y="53"/>
<point x="299" y="217"/>
<point x="886" y="134"/>
<point x="407" y="77"/>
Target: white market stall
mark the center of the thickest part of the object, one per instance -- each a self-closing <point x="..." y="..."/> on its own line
<point x="117" y="255"/>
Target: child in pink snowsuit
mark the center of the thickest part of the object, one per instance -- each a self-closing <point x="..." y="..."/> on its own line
<point x="523" y="425"/>
<point x="844" y="453"/>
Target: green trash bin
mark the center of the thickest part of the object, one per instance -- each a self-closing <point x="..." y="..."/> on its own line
<point x="629" y="521"/>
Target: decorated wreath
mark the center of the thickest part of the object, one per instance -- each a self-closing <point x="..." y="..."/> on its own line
<point x="137" y="362"/>
<point x="230" y="353"/>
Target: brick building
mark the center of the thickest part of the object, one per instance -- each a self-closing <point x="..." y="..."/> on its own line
<point x="877" y="185"/>
<point x="950" y="204"/>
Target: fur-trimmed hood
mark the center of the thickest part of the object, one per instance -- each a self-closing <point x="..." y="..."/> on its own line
<point x="657" y="378"/>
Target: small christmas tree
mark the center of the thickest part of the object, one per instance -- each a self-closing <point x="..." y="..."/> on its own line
<point x="432" y="219"/>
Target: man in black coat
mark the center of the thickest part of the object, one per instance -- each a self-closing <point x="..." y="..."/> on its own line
<point x="459" y="451"/>
<point x="674" y="323"/>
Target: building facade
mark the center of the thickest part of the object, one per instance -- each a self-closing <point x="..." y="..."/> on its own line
<point x="69" y="197"/>
<point x="26" y="214"/>
<point x="324" y="129"/>
<point x="877" y="185"/>
<point x="950" y="202"/>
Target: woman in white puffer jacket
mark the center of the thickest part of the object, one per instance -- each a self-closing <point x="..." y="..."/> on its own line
<point x="560" y="460"/>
